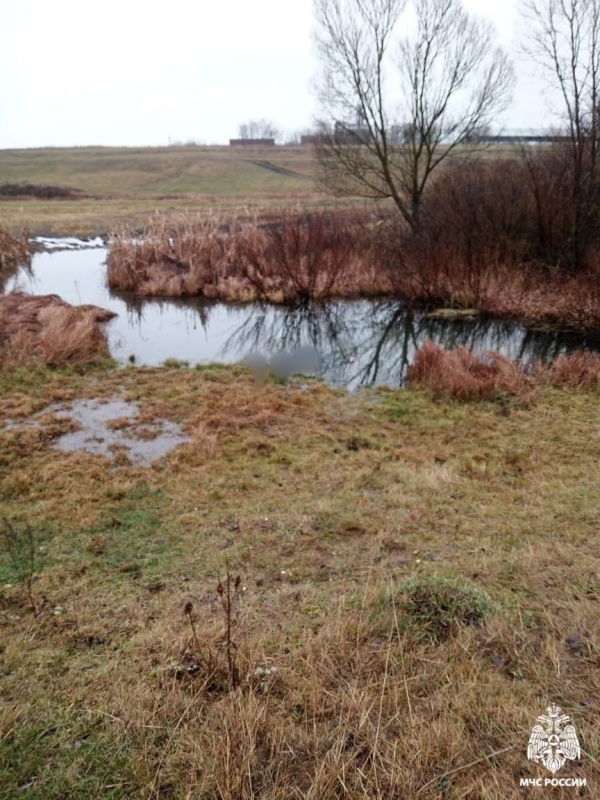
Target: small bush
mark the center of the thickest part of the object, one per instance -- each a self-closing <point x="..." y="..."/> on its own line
<point x="464" y="376"/>
<point x="303" y="257"/>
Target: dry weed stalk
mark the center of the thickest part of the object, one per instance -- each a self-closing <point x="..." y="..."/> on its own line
<point x="210" y="664"/>
<point x="207" y="660"/>
<point x="229" y="594"/>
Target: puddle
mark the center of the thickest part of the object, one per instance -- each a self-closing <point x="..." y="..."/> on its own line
<point x="107" y="428"/>
<point x="360" y="343"/>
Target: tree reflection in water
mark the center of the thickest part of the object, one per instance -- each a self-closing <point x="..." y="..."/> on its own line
<point x="368" y="343"/>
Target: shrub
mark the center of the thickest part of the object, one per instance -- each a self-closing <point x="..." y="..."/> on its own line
<point x="42" y="192"/>
<point x="302" y="257"/>
<point x="461" y="374"/>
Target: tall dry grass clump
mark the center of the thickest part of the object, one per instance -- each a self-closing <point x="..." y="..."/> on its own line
<point x="461" y="374"/>
<point x="44" y="329"/>
<point x="578" y="370"/>
<point x="464" y="376"/>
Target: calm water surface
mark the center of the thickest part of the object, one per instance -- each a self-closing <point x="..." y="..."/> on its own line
<point x="359" y="343"/>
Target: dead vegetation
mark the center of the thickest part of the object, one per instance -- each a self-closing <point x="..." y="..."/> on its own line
<point x="44" y="329"/>
<point x="463" y="375"/>
<point x="14" y="250"/>
<point x="297" y="257"/>
<point x="477" y="249"/>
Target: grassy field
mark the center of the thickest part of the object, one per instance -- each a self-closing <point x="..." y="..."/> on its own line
<point x="126" y="184"/>
<point x="418" y="580"/>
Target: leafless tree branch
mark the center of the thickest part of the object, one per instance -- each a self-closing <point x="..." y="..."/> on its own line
<point x="450" y="77"/>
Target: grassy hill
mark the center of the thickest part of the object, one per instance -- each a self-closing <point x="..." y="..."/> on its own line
<point x="126" y="184"/>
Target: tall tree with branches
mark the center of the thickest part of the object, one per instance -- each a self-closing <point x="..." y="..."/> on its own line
<point x="564" y="39"/>
<point x="451" y="80"/>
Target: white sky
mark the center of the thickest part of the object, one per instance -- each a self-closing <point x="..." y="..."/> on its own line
<point x="142" y="72"/>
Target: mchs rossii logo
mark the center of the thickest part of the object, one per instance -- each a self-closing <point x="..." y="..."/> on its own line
<point x="552" y="743"/>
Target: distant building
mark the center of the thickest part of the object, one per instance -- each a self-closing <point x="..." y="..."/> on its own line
<point x="314" y="138"/>
<point x="252" y="142"/>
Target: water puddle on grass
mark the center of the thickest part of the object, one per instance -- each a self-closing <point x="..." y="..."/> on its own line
<point x="361" y="343"/>
<point x="109" y="428"/>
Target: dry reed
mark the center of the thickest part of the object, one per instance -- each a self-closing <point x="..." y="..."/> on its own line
<point x="14" y="250"/>
<point x="298" y="257"/>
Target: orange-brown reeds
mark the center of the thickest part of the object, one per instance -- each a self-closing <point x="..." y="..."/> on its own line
<point x="461" y="374"/>
<point x="46" y="330"/>
<point x="304" y="257"/>
<point x="171" y="257"/>
<point x="298" y="257"/>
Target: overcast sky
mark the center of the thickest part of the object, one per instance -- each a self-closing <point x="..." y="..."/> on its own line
<point x="133" y="72"/>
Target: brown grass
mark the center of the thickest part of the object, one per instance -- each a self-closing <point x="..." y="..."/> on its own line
<point x="460" y="374"/>
<point x="296" y="257"/>
<point x="464" y="376"/>
<point x="407" y="607"/>
<point x="44" y="329"/>
<point x="423" y="592"/>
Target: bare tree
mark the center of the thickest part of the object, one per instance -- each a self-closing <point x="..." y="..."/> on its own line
<point x="564" y="39"/>
<point x="258" y="129"/>
<point x="451" y="81"/>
